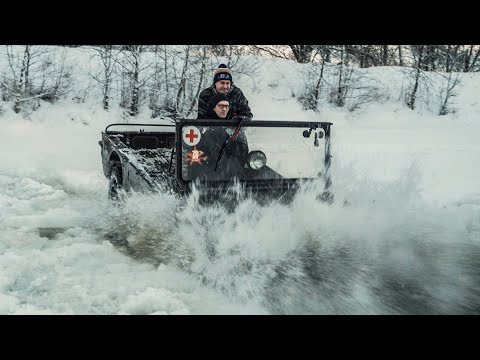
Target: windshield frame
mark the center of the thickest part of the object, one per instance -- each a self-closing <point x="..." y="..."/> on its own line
<point x="263" y="183"/>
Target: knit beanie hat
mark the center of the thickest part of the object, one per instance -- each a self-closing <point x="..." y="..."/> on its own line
<point x="222" y="73"/>
<point x="214" y="100"/>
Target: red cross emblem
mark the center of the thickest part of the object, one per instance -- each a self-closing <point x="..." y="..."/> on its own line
<point x="191" y="135"/>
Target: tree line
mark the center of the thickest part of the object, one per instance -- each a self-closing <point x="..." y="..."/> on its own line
<point x="444" y="58"/>
<point x="167" y="79"/>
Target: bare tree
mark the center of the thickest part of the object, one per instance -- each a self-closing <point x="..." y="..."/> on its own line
<point x="221" y="50"/>
<point x="318" y="85"/>
<point x="61" y="75"/>
<point x="163" y="92"/>
<point x="451" y="82"/>
<point x="302" y="53"/>
<point x="200" y="82"/>
<point x="473" y="64"/>
<point x="417" y="52"/>
<point x="155" y="86"/>
<point x="310" y="98"/>
<point x="400" y="57"/>
<point x="135" y="56"/>
<point x="427" y="72"/>
<point x="105" y="76"/>
<point x="276" y="51"/>
<point x="385" y="55"/>
<point x="36" y="73"/>
<point x="183" y="79"/>
<point x="470" y="59"/>
<point x="450" y="57"/>
<point x="340" y="88"/>
<point x="21" y="81"/>
<point x="364" y="54"/>
<point x="168" y="104"/>
<point x="177" y="79"/>
<point x="132" y="76"/>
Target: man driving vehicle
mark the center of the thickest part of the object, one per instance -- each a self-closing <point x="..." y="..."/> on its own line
<point x="226" y="148"/>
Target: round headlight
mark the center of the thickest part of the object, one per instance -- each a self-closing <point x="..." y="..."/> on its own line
<point x="256" y="159"/>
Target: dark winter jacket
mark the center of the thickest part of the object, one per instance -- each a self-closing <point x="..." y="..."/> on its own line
<point x="215" y="137"/>
<point x="231" y="162"/>
<point x="238" y="102"/>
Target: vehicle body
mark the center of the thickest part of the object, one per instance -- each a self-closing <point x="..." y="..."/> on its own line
<point x="176" y="158"/>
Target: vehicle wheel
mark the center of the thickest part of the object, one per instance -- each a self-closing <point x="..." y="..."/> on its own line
<point x="115" y="188"/>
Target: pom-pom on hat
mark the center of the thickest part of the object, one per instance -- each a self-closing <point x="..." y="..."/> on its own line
<point x="222" y="73"/>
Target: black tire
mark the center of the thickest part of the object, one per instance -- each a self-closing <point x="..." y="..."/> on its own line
<point x="115" y="186"/>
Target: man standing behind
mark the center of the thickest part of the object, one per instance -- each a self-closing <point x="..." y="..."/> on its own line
<point x="223" y="83"/>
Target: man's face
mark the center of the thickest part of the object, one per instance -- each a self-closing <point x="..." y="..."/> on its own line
<point x="221" y="109"/>
<point x="223" y="86"/>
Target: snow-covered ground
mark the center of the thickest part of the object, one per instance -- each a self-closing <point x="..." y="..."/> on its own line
<point x="406" y="240"/>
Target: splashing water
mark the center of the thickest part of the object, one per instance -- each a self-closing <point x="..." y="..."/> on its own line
<point x="377" y="249"/>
